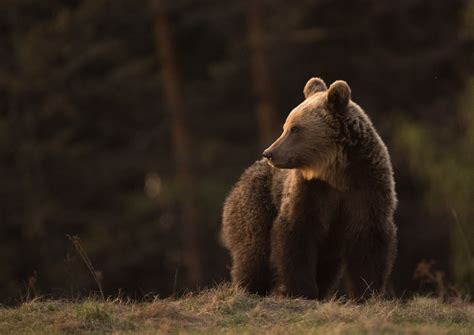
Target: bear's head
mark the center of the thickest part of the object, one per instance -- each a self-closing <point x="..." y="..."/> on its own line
<point x="309" y="141"/>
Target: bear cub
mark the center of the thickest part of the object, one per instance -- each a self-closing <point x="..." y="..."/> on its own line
<point x="319" y="203"/>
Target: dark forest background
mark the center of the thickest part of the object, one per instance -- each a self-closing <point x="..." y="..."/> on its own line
<point x="125" y="123"/>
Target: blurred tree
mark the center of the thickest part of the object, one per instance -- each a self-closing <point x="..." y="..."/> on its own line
<point x="175" y="102"/>
<point x="262" y="74"/>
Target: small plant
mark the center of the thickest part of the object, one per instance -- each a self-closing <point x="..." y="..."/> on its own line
<point x="31" y="291"/>
<point x="76" y="241"/>
<point x="426" y="274"/>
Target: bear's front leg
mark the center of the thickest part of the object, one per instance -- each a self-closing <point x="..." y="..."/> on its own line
<point x="370" y="261"/>
<point x="293" y="256"/>
<point x="371" y="241"/>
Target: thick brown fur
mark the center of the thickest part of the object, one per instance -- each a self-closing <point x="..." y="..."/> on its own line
<point x="323" y="201"/>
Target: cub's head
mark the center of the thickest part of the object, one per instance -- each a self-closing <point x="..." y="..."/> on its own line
<point x="310" y="133"/>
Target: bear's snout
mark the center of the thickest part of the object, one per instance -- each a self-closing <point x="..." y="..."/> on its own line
<point x="267" y="154"/>
<point x="276" y="159"/>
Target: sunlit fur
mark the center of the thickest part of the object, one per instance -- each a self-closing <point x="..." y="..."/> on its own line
<point x="318" y="153"/>
<point x="314" y="85"/>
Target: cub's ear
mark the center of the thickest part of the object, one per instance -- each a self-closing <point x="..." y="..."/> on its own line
<point x="314" y="85"/>
<point x="339" y="94"/>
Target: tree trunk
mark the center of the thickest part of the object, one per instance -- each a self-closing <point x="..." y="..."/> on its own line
<point x="266" y="113"/>
<point x="174" y="99"/>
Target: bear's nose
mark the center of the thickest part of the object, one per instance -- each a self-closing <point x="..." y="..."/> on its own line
<point x="267" y="154"/>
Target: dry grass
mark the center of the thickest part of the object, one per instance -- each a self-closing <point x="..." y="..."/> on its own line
<point x="227" y="310"/>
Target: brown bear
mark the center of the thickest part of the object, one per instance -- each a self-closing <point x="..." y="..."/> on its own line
<point x="321" y="201"/>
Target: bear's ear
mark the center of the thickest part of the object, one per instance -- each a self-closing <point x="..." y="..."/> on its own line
<point x="314" y="85"/>
<point x="339" y="94"/>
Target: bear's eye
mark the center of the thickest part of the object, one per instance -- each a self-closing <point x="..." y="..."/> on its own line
<point x="294" y="129"/>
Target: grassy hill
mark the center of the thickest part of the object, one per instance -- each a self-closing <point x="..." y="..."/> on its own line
<point x="227" y="310"/>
